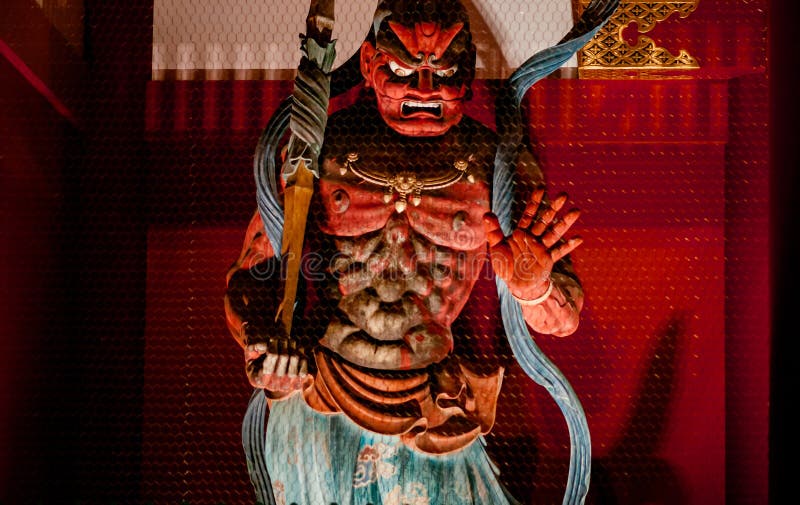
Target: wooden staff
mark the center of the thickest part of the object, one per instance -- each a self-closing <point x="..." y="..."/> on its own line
<point x="308" y="119"/>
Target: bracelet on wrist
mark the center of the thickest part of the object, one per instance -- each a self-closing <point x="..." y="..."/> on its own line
<point x="538" y="300"/>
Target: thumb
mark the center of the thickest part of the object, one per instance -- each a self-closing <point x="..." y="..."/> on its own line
<point x="494" y="234"/>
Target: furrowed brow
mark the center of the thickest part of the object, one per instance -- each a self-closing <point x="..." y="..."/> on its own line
<point x="395" y="47"/>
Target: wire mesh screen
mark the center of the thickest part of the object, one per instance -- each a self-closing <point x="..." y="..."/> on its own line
<point x="145" y="160"/>
<point x="257" y="39"/>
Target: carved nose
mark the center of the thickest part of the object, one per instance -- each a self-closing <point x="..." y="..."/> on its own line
<point x="424" y="79"/>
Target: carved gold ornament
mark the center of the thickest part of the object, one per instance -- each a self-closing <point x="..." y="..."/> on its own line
<point x="407" y="183"/>
<point x="608" y="48"/>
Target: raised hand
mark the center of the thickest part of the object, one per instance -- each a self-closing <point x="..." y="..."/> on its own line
<point x="525" y="259"/>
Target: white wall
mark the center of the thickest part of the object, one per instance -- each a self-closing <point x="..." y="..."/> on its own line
<point x="250" y="34"/>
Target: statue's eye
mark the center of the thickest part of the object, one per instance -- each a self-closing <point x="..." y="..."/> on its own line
<point x="447" y="72"/>
<point x="398" y="70"/>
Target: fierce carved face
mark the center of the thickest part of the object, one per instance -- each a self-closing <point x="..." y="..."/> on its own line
<point x="420" y="74"/>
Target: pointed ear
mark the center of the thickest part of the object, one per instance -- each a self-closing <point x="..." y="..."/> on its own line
<point x="367" y="53"/>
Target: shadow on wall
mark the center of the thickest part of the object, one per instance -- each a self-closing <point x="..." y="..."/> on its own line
<point x="632" y="473"/>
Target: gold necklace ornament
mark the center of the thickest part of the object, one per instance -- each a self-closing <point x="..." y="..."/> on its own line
<point x="406" y="183"/>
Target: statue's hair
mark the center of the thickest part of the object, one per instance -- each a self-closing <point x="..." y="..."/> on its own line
<point x="410" y="12"/>
<point x="407" y="13"/>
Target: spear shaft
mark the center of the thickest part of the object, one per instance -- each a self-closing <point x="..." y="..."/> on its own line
<point x="307" y="123"/>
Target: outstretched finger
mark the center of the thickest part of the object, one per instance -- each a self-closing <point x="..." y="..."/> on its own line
<point x="549" y="214"/>
<point x="566" y="248"/>
<point x="531" y="208"/>
<point x="494" y="234"/>
<point x="559" y="201"/>
<point x="544" y="221"/>
<point x="558" y="230"/>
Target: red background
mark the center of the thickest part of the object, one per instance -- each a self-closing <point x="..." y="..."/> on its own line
<point x="123" y="216"/>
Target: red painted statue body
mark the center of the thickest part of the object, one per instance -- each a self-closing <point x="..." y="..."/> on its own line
<point x="401" y="217"/>
<point x="403" y="276"/>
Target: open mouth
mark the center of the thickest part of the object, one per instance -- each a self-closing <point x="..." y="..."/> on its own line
<point x="413" y="107"/>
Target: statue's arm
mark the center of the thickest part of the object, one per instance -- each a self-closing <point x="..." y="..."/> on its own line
<point x="559" y="313"/>
<point x="273" y="361"/>
<point x="254" y="262"/>
<point x="534" y="260"/>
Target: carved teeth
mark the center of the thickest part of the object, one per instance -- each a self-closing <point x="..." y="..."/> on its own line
<point x="423" y="105"/>
<point x="409" y="107"/>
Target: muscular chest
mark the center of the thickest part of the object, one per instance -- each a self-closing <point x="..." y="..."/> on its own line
<point x="441" y="200"/>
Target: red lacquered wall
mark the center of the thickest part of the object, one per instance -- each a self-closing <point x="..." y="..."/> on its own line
<point x="127" y="387"/>
<point x="671" y="358"/>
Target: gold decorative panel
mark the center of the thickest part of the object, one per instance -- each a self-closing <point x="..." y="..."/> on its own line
<point x="608" y="49"/>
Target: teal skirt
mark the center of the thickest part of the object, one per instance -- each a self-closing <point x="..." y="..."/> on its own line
<point x="324" y="459"/>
